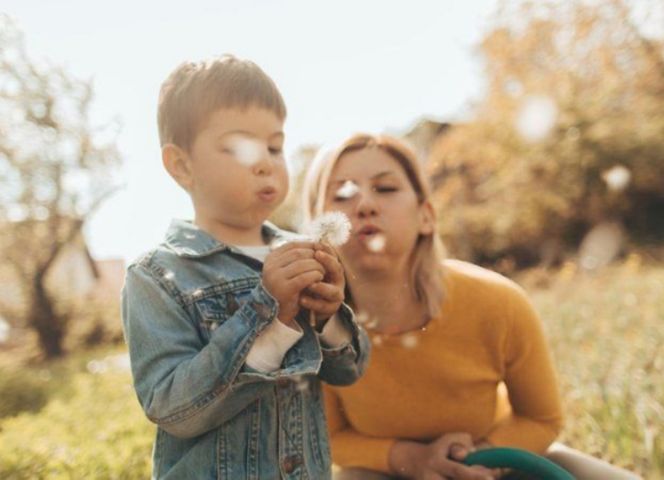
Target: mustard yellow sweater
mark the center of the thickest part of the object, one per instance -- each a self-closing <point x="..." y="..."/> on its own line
<point x="446" y="377"/>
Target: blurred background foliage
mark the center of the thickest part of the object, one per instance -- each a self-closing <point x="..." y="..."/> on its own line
<point x="569" y="135"/>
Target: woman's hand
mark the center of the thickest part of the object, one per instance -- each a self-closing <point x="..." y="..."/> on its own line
<point x="438" y="460"/>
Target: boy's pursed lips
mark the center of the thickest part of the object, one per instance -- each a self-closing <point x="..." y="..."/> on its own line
<point x="267" y="194"/>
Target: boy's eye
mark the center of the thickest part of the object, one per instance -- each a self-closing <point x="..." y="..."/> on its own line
<point x="275" y="150"/>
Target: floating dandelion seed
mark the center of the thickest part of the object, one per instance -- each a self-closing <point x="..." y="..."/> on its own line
<point x="362" y="317"/>
<point x="4" y="331"/>
<point x="377" y="340"/>
<point x="331" y="227"/>
<point x="248" y="151"/>
<point x="96" y="367"/>
<point x="169" y="275"/>
<point x="409" y="341"/>
<point x="372" y="323"/>
<point x="348" y="190"/>
<point x="617" y="178"/>
<point x="377" y="243"/>
<point x="301" y="383"/>
<point x="536" y="117"/>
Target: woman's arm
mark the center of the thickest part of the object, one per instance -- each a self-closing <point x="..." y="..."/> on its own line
<point x="530" y="377"/>
<point x="393" y="456"/>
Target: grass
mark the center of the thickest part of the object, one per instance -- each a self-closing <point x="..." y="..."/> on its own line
<point x="79" y="417"/>
<point x="606" y="331"/>
<point x="91" y="427"/>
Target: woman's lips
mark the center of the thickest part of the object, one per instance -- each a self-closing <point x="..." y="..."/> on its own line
<point x="367" y="231"/>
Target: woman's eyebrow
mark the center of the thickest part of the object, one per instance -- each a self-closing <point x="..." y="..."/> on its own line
<point x="377" y="176"/>
<point x="383" y="174"/>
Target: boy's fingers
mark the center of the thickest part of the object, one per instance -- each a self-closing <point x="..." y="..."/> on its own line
<point x="331" y="264"/>
<point x="303" y="280"/>
<point x="294" y="245"/>
<point x="290" y="256"/>
<point x="317" y="305"/>
<point x="327" y="292"/>
<point x="296" y="268"/>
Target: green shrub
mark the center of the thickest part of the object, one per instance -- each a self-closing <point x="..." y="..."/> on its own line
<point x="95" y="431"/>
<point x="21" y="391"/>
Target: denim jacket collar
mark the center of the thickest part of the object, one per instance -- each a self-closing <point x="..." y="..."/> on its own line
<point x="187" y="240"/>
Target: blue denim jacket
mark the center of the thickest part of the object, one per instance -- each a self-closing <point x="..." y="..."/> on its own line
<point x="191" y="311"/>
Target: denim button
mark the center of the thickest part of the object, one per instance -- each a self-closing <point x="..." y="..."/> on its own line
<point x="290" y="463"/>
<point x="283" y="382"/>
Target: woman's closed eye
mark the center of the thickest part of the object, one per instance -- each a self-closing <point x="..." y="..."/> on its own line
<point x="275" y="150"/>
<point x="385" y="188"/>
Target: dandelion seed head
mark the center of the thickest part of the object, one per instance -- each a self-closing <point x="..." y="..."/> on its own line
<point x="331" y="227"/>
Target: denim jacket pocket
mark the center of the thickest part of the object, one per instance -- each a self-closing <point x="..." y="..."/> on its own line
<point x="215" y="304"/>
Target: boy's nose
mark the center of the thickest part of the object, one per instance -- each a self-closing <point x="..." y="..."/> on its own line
<point x="264" y="165"/>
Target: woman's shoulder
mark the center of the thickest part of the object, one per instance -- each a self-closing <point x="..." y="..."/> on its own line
<point x="465" y="275"/>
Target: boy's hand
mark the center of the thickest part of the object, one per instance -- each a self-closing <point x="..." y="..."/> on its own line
<point x="325" y="297"/>
<point x="287" y="271"/>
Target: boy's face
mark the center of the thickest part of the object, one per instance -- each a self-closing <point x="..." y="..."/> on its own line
<point x="237" y="171"/>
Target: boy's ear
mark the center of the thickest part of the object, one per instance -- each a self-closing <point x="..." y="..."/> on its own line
<point x="427" y="218"/>
<point x="177" y="164"/>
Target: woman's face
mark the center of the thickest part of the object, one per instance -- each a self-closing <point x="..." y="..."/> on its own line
<point x="373" y="190"/>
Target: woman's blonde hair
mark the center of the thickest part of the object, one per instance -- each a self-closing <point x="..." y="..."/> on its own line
<point x="427" y="257"/>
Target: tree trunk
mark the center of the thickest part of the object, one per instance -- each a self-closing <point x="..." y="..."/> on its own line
<point x="44" y="319"/>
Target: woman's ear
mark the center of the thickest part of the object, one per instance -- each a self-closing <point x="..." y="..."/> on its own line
<point x="178" y="165"/>
<point x="427" y="218"/>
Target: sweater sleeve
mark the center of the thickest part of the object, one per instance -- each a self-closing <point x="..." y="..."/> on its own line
<point x="349" y="447"/>
<point x="536" y="416"/>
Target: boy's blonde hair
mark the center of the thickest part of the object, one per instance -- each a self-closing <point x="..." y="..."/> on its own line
<point x="196" y="89"/>
<point x="426" y="273"/>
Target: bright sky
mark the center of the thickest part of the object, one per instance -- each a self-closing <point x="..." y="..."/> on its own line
<point x="341" y="66"/>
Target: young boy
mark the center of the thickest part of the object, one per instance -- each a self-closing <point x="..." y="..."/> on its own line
<point x="223" y="360"/>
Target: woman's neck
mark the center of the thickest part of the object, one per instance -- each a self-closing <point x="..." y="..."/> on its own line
<point x="387" y="301"/>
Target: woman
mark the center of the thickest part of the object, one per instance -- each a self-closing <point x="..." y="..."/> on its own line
<point x="459" y="359"/>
